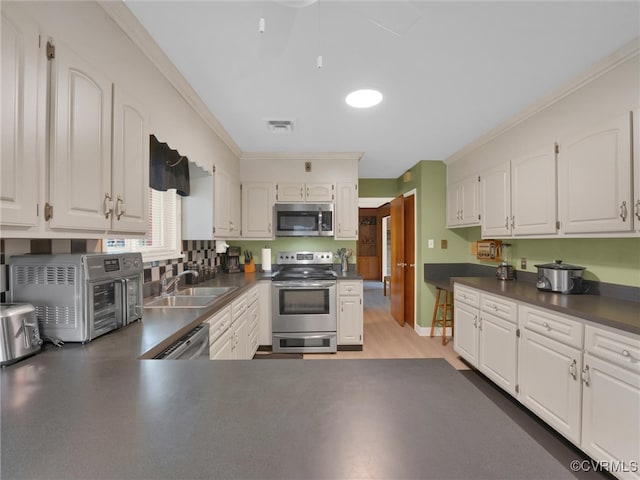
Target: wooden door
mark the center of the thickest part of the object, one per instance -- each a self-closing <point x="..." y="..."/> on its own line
<point x="409" y="259"/>
<point x="397" y="260"/>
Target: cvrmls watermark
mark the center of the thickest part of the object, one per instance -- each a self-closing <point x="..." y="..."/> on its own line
<point x="613" y="466"/>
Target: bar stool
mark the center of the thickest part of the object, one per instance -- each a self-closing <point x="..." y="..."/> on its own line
<point x="443" y="313"/>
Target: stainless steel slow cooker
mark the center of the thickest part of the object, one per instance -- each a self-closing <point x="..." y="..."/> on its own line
<point x="560" y="277"/>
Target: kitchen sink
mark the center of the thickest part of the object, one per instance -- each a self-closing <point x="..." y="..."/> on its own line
<point x="181" y="302"/>
<point x="206" y="291"/>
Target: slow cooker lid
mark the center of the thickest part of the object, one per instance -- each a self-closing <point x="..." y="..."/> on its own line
<point x="558" y="265"/>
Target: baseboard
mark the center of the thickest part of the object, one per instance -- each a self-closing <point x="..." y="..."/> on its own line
<point x="349" y="348"/>
<point x="437" y="332"/>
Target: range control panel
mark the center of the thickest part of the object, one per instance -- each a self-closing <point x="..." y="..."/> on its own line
<point x="304" y="258"/>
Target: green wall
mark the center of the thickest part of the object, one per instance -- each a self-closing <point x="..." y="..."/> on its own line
<point x="610" y="260"/>
<point x="377" y="187"/>
<point x="294" y="244"/>
<point x="429" y="179"/>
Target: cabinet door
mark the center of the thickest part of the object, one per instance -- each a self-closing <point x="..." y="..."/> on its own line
<point x="453" y="204"/>
<point x="594" y="183"/>
<point x="465" y="338"/>
<point x="19" y="170"/>
<point x="533" y="194"/>
<point x="222" y="349"/>
<point x="222" y="215"/>
<point x="350" y="321"/>
<point x="611" y="413"/>
<point x="257" y="210"/>
<point x="240" y="349"/>
<point x="130" y="164"/>
<point x="468" y="201"/>
<point x="198" y="210"/>
<point x="496" y="202"/>
<point x="498" y="351"/>
<point x="80" y="151"/>
<point x="235" y="198"/>
<point x="346" y="221"/>
<point x="549" y="379"/>
<point x="290" y="192"/>
<point x="319" y="192"/>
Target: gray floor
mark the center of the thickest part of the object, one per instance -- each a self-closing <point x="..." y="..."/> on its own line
<point x="556" y="445"/>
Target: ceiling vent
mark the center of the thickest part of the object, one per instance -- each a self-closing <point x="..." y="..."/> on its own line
<point x="280" y="126"/>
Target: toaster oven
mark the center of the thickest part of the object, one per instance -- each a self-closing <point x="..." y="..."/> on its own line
<point x="78" y="297"/>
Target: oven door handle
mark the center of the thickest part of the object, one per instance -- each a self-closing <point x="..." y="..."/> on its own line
<point x="124" y="300"/>
<point x="302" y="285"/>
<point x="315" y="337"/>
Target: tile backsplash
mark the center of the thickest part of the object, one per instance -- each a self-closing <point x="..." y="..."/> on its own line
<point x="199" y="251"/>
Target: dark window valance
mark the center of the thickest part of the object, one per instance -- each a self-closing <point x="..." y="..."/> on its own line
<point x="167" y="168"/>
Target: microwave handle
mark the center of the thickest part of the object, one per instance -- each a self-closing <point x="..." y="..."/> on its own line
<point x="320" y="221"/>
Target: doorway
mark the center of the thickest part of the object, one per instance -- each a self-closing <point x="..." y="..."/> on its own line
<point x="403" y="263"/>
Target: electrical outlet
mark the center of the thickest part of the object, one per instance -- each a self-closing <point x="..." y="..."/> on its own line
<point x="523" y="263"/>
<point x="430" y="243"/>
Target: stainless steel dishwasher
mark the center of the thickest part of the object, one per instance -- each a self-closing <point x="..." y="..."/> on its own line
<point x="193" y="345"/>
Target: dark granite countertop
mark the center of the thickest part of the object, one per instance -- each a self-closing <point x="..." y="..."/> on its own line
<point x="265" y="419"/>
<point x="621" y="314"/>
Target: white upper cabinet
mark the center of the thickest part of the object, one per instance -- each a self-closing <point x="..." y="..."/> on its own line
<point x="346" y="221"/>
<point x="226" y="204"/>
<point x="533" y="193"/>
<point x="595" y="179"/>
<point x="519" y="197"/>
<point x="212" y="209"/>
<point x="19" y="161"/>
<point x="636" y="169"/>
<point x="496" y="202"/>
<point x="462" y="203"/>
<point x="305" y="192"/>
<point x="257" y="210"/>
<point x="80" y="151"/>
<point x="130" y="164"/>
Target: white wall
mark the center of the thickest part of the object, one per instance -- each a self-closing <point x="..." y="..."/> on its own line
<point x="292" y="170"/>
<point x="605" y="96"/>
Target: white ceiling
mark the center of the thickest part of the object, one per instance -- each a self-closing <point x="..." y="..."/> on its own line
<point x="449" y="71"/>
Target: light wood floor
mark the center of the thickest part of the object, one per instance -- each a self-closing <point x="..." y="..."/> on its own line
<point x="384" y="338"/>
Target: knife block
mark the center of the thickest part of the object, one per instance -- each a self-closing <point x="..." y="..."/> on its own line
<point x="250" y="267"/>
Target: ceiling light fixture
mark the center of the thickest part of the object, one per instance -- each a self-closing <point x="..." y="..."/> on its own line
<point x="363" y="98"/>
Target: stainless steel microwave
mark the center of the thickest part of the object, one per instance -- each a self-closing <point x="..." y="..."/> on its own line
<point x="303" y="219"/>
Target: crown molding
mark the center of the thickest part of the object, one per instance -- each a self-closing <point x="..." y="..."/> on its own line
<point x="301" y="156"/>
<point x="620" y="56"/>
<point x="130" y="25"/>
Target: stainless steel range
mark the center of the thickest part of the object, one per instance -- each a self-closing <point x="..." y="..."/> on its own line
<point x="304" y="303"/>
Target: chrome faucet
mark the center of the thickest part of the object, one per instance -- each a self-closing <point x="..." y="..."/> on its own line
<point x="166" y="283"/>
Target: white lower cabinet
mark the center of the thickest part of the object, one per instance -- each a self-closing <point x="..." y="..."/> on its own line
<point x="264" y="308"/>
<point x="498" y="350"/>
<point x="465" y="336"/>
<point x="253" y="320"/>
<point x="549" y="379"/>
<point x="350" y="314"/>
<point x="582" y="380"/>
<point x="465" y="328"/>
<point x="486" y="335"/>
<point x="611" y="399"/>
<point x="220" y="335"/>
